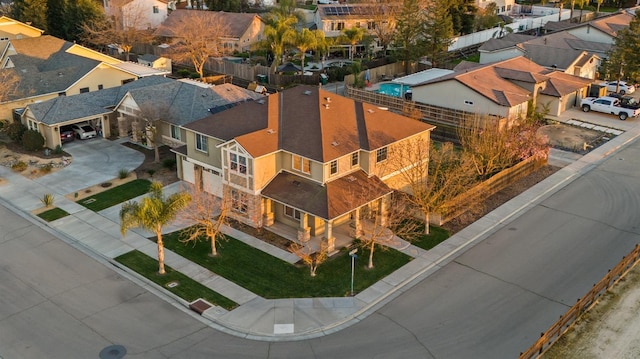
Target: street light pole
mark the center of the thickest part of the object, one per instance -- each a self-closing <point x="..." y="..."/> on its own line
<point x="353" y="256"/>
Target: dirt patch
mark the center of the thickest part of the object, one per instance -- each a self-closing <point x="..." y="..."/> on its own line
<point x="163" y="171"/>
<point x="573" y="138"/>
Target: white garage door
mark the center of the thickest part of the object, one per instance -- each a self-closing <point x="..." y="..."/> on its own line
<point x="187" y="172"/>
<point x="212" y="182"/>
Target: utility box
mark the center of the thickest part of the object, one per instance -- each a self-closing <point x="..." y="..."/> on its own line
<point x="324" y="79"/>
<point x="262" y="79"/>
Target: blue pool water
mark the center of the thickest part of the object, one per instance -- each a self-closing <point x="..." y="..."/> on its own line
<point x="393" y="89"/>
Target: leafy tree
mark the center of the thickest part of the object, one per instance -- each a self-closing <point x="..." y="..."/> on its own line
<point x="15" y="130"/>
<point x="79" y="12"/>
<point x="278" y="33"/>
<point x="31" y="11"/>
<point x="152" y="213"/>
<point x="623" y="58"/>
<point x="56" y="18"/>
<point x="463" y="15"/>
<point x="352" y="36"/>
<point x="32" y="140"/>
<point x="438" y="32"/>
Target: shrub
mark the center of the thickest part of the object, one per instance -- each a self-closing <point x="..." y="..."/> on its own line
<point x="123" y="173"/>
<point x="19" y="166"/>
<point x="47" y="199"/>
<point x="58" y="150"/>
<point x="15" y="130"/>
<point x="46" y="168"/>
<point x="32" y="140"/>
<point x="169" y="163"/>
<point x="183" y="73"/>
<point x="194" y="75"/>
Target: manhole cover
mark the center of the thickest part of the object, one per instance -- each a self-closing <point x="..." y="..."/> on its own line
<point x="113" y="352"/>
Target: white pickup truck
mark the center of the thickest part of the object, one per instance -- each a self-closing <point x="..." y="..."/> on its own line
<point x="609" y="105"/>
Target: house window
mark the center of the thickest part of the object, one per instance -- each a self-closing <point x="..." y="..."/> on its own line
<point x="62" y="93"/>
<point x="32" y="125"/>
<point x="238" y="163"/>
<point x="468" y="103"/>
<point x="301" y="164"/>
<point x="156" y="10"/>
<point x="175" y="132"/>
<point x="334" y="167"/>
<point x="100" y="87"/>
<point x="381" y="154"/>
<point x="371" y="25"/>
<point x="337" y="26"/>
<point x="201" y="142"/>
<point x="239" y="201"/>
<point x="355" y="159"/>
<point x="291" y="212"/>
<point x="84" y="90"/>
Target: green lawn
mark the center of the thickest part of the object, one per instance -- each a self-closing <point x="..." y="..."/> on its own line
<point x="116" y="195"/>
<point x="187" y="288"/>
<point x="53" y="214"/>
<point x="270" y="277"/>
<point x="427" y="241"/>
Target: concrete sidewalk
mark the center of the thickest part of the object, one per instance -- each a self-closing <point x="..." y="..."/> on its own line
<point x="281" y="319"/>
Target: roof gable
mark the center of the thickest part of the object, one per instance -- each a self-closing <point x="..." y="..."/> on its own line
<point x="236" y="24"/>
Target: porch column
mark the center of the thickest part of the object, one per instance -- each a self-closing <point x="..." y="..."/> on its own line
<point x="383" y="211"/>
<point x="304" y="232"/>
<point x="358" y="224"/>
<point x="328" y="236"/>
<point x="268" y="216"/>
<point x="123" y="130"/>
<point x="134" y="131"/>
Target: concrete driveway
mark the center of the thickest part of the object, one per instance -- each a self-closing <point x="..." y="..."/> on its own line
<point x="93" y="162"/>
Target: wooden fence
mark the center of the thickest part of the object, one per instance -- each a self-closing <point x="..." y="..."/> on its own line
<point x="548" y="338"/>
<point x="485" y="189"/>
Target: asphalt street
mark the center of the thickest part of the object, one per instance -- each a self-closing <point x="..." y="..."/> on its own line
<point x="493" y="301"/>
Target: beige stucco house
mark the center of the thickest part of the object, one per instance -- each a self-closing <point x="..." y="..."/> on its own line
<point x="303" y="157"/>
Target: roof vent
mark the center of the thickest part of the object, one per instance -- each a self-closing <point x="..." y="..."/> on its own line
<point x="261" y="102"/>
<point x="296" y="183"/>
<point x="271" y="131"/>
<point x="370" y="110"/>
<point x="334" y="143"/>
<point x="326" y="105"/>
<point x="328" y="99"/>
<point x="383" y="108"/>
<point x="307" y="92"/>
<point x="351" y="179"/>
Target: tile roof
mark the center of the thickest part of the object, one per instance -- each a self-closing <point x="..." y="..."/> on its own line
<point x="44" y="66"/>
<point x="67" y="108"/>
<point x="329" y="201"/>
<point x="236" y="23"/>
<point x="299" y="121"/>
<point x="184" y="102"/>
<point x="510" y="40"/>
<point x="560" y="84"/>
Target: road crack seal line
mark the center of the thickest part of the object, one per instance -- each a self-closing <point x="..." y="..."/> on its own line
<point x="513" y="284"/>
<point x="409" y="331"/>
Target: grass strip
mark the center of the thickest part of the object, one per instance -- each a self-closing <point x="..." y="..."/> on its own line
<point x="271" y="278"/>
<point x="116" y="195"/>
<point x="436" y="236"/>
<point x="53" y="214"/>
<point x="187" y="288"/>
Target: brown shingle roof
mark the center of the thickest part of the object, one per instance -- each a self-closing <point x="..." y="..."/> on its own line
<point x="560" y="84"/>
<point x="310" y="122"/>
<point x="330" y="201"/>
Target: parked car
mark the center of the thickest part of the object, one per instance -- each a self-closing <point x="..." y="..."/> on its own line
<point x="609" y="105"/>
<point x="67" y="134"/>
<point x="623" y="88"/>
<point x="84" y="130"/>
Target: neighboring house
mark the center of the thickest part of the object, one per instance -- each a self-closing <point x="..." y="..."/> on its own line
<point x="503" y="7"/>
<point x="602" y="29"/>
<point x="242" y="29"/>
<point x="304" y="157"/>
<point x="502" y="89"/>
<point x="156" y="62"/>
<point x="96" y="108"/>
<point x="557" y="51"/>
<point x="48" y="67"/>
<point x="160" y="110"/>
<point x="11" y="29"/>
<point x="140" y="14"/>
<point x="333" y="18"/>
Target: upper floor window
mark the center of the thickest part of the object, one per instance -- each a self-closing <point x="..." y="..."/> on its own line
<point x="84" y="90"/>
<point x="337" y="26"/>
<point x="355" y="159"/>
<point x="32" y="125"/>
<point x="156" y="10"/>
<point x="201" y="143"/>
<point x="238" y="163"/>
<point x="381" y="154"/>
<point x="301" y="164"/>
<point x="333" y="167"/>
<point x="175" y="132"/>
<point x="371" y="25"/>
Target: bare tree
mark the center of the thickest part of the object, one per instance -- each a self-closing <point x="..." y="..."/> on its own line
<point x="198" y="37"/>
<point x="208" y="213"/>
<point x="126" y="26"/>
<point x="311" y="258"/>
<point x="152" y="113"/>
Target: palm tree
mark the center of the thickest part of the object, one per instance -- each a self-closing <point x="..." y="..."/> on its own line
<point x="304" y="41"/>
<point x="279" y="32"/>
<point x="323" y="45"/>
<point x="352" y="36"/>
<point x="153" y="213"/>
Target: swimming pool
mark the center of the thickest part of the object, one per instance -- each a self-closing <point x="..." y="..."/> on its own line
<point x="393" y="89"/>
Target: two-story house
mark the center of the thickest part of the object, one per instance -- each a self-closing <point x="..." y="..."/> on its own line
<point x="139" y="14"/>
<point x="304" y="157"/>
